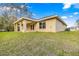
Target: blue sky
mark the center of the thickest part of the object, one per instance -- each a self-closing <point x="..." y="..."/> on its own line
<point x="68" y="12"/>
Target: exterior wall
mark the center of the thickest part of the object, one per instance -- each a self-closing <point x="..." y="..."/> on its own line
<point x="36" y="28"/>
<point x="21" y="27"/>
<point x="60" y="26"/>
<point x="29" y="27"/>
<point x="26" y="25"/>
<point x="20" y="24"/>
<point x="50" y="26"/>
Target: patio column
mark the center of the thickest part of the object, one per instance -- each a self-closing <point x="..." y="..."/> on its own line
<point x="20" y="26"/>
<point x="24" y="25"/>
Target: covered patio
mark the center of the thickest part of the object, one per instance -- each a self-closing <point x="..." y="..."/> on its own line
<point x="25" y="26"/>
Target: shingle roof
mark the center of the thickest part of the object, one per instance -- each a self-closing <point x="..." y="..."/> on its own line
<point x="25" y="19"/>
<point x="42" y="19"/>
<point x="49" y="17"/>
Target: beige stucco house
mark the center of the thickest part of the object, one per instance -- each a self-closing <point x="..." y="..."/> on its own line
<point x="46" y="24"/>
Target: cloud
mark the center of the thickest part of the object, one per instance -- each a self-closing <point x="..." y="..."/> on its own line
<point x="34" y="14"/>
<point x="64" y="17"/>
<point x="28" y="6"/>
<point x="75" y="13"/>
<point x="70" y="16"/>
<point x="22" y="6"/>
<point x="67" y="5"/>
<point x="18" y="10"/>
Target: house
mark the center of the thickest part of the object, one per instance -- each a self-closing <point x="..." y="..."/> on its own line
<point x="46" y="24"/>
<point x="74" y="28"/>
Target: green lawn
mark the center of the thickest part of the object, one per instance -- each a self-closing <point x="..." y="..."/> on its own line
<point x="39" y="43"/>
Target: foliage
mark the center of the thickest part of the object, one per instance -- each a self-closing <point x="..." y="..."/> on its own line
<point x="15" y="9"/>
<point x="67" y="29"/>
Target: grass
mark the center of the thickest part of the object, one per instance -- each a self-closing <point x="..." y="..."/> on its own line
<point x="39" y="44"/>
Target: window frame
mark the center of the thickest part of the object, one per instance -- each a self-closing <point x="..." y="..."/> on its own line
<point x="42" y="25"/>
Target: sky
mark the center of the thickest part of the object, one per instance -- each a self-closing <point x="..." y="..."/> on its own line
<point x="68" y="12"/>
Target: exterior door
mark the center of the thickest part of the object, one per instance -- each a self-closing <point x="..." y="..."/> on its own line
<point x="32" y="27"/>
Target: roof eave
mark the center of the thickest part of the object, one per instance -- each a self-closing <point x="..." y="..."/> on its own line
<point x="29" y="19"/>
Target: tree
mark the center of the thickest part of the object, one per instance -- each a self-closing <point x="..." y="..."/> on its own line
<point x="1" y="23"/>
<point x="11" y="12"/>
<point x="19" y="10"/>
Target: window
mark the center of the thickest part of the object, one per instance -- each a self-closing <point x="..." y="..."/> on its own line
<point x="42" y="25"/>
